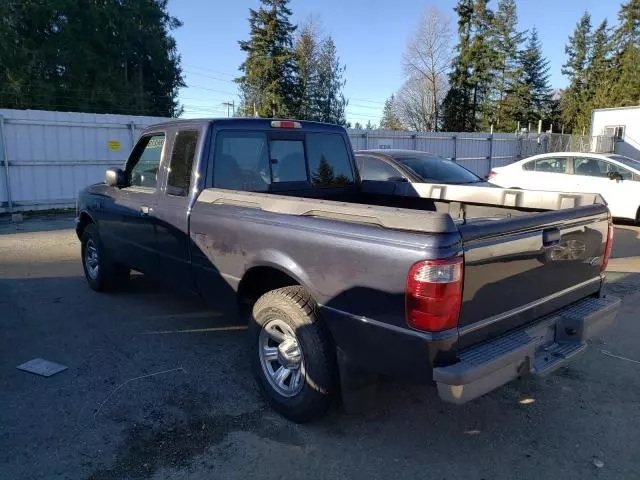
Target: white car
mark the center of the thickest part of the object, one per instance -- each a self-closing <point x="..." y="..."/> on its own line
<point x="615" y="177"/>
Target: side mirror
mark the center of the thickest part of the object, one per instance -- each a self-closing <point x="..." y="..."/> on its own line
<point x="114" y="177"/>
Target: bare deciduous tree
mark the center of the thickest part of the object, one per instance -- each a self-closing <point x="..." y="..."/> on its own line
<point x="427" y="60"/>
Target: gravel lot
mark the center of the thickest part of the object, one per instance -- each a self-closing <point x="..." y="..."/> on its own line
<point x="195" y="413"/>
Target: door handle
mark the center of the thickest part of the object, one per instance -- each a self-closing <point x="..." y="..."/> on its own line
<point x="550" y="237"/>
<point x="144" y="209"/>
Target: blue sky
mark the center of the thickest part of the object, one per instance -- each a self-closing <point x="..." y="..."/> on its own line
<point x="370" y="36"/>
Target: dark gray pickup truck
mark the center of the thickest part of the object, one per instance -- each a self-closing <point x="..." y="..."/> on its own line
<point x="464" y="286"/>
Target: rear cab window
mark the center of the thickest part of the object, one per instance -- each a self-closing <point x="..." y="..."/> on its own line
<point x="264" y="161"/>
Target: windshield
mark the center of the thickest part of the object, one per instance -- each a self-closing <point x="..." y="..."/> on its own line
<point x="438" y="170"/>
<point x="629" y="162"/>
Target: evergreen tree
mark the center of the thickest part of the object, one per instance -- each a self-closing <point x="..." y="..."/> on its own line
<point x="577" y="51"/>
<point x="324" y="175"/>
<point x="483" y="61"/>
<point x="358" y="126"/>
<point x="468" y="102"/>
<point x="390" y="120"/>
<point x="626" y="59"/>
<point x="89" y="55"/>
<point x="269" y="85"/>
<point x="535" y="77"/>
<point x="457" y="114"/>
<point x="599" y="76"/>
<point x="370" y="126"/>
<point x="507" y="41"/>
<point x="307" y="52"/>
<point x="330" y="103"/>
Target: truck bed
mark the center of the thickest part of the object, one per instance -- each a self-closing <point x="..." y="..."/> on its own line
<point x="526" y="253"/>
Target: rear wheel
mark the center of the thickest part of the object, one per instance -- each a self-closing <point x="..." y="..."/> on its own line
<point x="292" y="355"/>
<point x="101" y="273"/>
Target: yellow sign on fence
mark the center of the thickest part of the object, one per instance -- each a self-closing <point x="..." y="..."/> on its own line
<point x="114" y="145"/>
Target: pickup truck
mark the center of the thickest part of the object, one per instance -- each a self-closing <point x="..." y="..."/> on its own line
<point x="337" y="278"/>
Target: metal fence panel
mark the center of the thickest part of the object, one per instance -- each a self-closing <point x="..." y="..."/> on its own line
<point x="53" y="155"/>
<point x="50" y="156"/>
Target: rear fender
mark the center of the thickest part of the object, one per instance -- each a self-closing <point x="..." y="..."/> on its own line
<point x="287" y="265"/>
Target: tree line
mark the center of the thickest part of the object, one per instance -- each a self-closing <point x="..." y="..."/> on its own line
<point x="118" y="56"/>
<point x="497" y="77"/>
<point x="89" y="56"/>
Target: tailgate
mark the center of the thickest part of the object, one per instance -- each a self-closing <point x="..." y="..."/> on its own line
<point x="519" y="269"/>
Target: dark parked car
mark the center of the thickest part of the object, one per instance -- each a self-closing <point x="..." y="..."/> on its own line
<point x="414" y="167"/>
<point x="269" y="219"/>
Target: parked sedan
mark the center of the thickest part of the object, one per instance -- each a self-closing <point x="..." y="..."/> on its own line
<point x="615" y="177"/>
<point x="414" y="167"/>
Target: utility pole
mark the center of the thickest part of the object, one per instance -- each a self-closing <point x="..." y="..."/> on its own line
<point x="230" y="105"/>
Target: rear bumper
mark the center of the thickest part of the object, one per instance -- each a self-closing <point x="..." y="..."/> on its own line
<point x="538" y="349"/>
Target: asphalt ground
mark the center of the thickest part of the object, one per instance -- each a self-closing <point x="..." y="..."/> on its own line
<point x="158" y="386"/>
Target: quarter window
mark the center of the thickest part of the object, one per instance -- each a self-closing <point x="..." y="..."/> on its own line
<point x="184" y="150"/>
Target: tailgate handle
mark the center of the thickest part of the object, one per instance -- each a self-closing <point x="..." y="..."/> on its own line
<point x="550" y="237"/>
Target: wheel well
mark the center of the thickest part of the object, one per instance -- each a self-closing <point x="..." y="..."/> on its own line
<point x="259" y="280"/>
<point x="85" y="219"/>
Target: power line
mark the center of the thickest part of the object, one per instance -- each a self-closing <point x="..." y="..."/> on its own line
<point x="206" y="69"/>
<point x="209" y="76"/>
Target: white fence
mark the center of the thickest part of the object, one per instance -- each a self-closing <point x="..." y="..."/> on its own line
<point x="47" y="157"/>
<point x="479" y="152"/>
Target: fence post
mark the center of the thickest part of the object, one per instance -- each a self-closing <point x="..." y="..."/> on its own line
<point x="366" y="141"/>
<point x="490" y="157"/>
<point x="132" y="134"/>
<point x="455" y="147"/>
<point x="414" y="141"/>
<point x="5" y="158"/>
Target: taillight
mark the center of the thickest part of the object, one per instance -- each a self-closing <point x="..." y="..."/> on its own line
<point x="434" y="294"/>
<point x="607" y="249"/>
<point x="491" y="174"/>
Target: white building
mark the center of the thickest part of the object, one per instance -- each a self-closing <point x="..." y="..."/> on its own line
<point x="623" y="123"/>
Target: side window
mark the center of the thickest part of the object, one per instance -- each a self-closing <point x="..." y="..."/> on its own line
<point x="623" y="172"/>
<point x="241" y="161"/>
<point x="551" y="165"/>
<point x="590" y="167"/>
<point x="142" y="167"/>
<point x="529" y="166"/>
<point x="287" y="161"/>
<point x="328" y="160"/>
<point x="375" y="169"/>
<point x="184" y="150"/>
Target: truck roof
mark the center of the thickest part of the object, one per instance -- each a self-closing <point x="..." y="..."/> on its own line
<point x="250" y="124"/>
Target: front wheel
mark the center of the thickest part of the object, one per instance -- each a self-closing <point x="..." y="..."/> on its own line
<point x="101" y="273"/>
<point x="292" y="355"/>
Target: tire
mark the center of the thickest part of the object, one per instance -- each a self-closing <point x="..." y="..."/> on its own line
<point x="306" y="392"/>
<point x="102" y="275"/>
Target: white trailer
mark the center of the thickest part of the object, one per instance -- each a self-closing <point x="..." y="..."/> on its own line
<point x="623" y="123"/>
